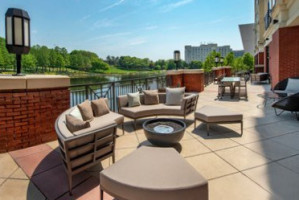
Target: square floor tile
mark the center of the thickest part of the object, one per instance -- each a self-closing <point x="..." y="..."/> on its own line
<point x="54" y="182"/>
<point x="192" y="147"/>
<point x="39" y="162"/>
<point x="271" y="149"/>
<point x="126" y="141"/>
<point x="210" y="165"/>
<point x="29" y="151"/>
<point x="19" y="174"/>
<point x="277" y="180"/>
<point x="237" y="187"/>
<point x="291" y="140"/>
<point x="7" y="165"/>
<point x="246" y="138"/>
<point x="14" y="189"/>
<point x="242" y="158"/>
<point x="291" y="163"/>
<point x="217" y="143"/>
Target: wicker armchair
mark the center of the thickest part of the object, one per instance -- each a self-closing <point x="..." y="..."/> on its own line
<point x="281" y="88"/>
<point x="289" y="103"/>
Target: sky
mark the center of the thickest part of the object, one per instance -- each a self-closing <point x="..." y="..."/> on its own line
<point x="142" y="28"/>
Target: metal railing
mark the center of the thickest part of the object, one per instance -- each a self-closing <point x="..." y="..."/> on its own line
<point x="111" y="90"/>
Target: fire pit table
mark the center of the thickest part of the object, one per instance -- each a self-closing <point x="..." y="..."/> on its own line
<point x="164" y="132"/>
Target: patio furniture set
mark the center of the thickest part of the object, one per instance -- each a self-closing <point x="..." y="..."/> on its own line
<point x="232" y="83"/>
<point x="87" y="133"/>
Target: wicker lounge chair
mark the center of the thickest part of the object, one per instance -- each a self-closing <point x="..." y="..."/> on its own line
<point x="260" y="77"/>
<point x="289" y="103"/>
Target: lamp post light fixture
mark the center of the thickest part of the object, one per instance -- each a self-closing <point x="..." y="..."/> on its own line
<point x="217" y="59"/>
<point x="221" y="61"/>
<point x="17" y="25"/>
<point x="177" y="57"/>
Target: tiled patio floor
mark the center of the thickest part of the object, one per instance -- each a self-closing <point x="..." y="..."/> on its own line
<point x="261" y="164"/>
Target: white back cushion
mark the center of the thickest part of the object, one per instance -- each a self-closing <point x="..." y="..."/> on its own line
<point x="76" y="113"/>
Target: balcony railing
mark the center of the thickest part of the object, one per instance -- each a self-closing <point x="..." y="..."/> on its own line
<point x="111" y="90"/>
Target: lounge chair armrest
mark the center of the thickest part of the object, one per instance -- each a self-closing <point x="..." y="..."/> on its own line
<point x="189" y="102"/>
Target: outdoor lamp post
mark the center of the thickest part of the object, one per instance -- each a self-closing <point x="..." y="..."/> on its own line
<point x="221" y="61"/>
<point x="17" y="25"/>
<point x="217" y="60"/>
<point x="177" y="57"/>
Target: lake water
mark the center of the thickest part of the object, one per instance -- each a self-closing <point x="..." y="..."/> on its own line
<point x="109" y="78"/>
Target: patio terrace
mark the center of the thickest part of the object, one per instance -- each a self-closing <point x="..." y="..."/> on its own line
<point x="263" y="163"/>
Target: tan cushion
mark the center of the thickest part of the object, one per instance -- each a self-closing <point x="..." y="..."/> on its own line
<point x="151" y="97"/>
<point x="86" y="111"/>
<point x="133" y="99"/>
<point x="174" y="96"/>
<point x="150" y="110"/>
<point x="99" y="107"/>
<point x="152" y="173"/>
<point x="217" y="114"/>
<point x="74" y="124"/>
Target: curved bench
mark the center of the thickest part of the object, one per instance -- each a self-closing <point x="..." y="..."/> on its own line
<point x="82" y="149"/>
<point x="188" y="105"/>
<point x="151" y="173"/>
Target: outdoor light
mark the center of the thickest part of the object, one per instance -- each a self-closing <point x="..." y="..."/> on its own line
<point x="17" y="23"/>
<point x="177" y="57"/>
<point x="217" y="60"/>
<point x="221" y="60"/>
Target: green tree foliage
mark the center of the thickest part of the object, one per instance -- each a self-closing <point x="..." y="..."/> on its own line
<point x="210" y="61"/>
<point x="195" y="65"/>
<point x="133" y="63"/>
<point x="99" y="66"/>
<point x="248" y="61"/>
<point x="229" y="59"/>
<point x="171" y="65"/>
<point x="7" y="60"/>
<point x="29" y="62"/>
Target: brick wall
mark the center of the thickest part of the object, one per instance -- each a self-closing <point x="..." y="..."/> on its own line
<point x="284" y="54"/>
<point x="194" y="82"/>
<point x="27" y="117"/>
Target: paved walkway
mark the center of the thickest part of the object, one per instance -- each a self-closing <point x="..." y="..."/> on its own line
<point x="262" y="164"/>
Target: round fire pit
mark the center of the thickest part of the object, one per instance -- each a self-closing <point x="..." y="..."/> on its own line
<point x="164" y="132"/>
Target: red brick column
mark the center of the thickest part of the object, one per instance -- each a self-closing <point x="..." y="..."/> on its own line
<point x="194" y="82"/>
<point x="27" y="117"/>
<point x="228" y="71"/>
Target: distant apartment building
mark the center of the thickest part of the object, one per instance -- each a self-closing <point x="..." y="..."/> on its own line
<point x="199" y="53"/>
<point x="277" y="37"/>
<point x="238" y="53"/>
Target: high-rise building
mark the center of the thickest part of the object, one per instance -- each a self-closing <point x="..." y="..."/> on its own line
<point x="277" y="37"/>
<point x="238" y="53"/>
<point x="199" y="53"/>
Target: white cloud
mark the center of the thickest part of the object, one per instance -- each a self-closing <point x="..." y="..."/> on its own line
<point x="137" y="41"/>
<point x="151" y="27"/>
<point x="84" y="18"/>
<point x="109" y="36"/>
<point x="103" y="23"/>
<point x="112" y="5"/>
<point x="175" y="5"/>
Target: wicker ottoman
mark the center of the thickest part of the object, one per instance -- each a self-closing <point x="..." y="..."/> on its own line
<point x="151" y="173"/>
<point x="217" y="115"/>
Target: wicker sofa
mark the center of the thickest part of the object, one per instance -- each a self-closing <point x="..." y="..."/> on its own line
<point x="87" y="147"/>
<point x="188" y="105"/>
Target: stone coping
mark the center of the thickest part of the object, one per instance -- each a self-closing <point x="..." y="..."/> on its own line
<point x="222" y="67"/>
<point x="9" y="82"/>
<point x="184" y="71"/>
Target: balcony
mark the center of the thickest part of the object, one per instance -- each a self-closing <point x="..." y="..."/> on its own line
<point x="261" y="164"/>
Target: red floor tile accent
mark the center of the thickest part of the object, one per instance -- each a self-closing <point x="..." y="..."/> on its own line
<point x="88" y="190"/>
<point x="29" y="151"/>
<point x="36" y="163"/>
<point x="54" y="183"/>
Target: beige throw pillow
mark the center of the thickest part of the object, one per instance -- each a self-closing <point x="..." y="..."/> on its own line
<point x="74" y="124"/>
<point x="174" y="96"/>
<point x="151" y="97"/>
<point x="133" y="99"/>
<point x="86" y="110"/>
<point x="99" y="107"/>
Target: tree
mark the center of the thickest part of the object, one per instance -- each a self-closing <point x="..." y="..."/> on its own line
<point x="29" y="62"/>
<point x="99" y="65"/>
<point x="210" y="61"/>
<point x="171" y="65"/>
<point x="238" y="64"/>
<point x="248" y="61"/>
<point x="60" y="61"/>
<point x="229" y="59"/>
<point x="195" y="65"/>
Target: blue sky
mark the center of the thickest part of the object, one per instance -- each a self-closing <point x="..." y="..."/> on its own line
<point x="142" y="28"/>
